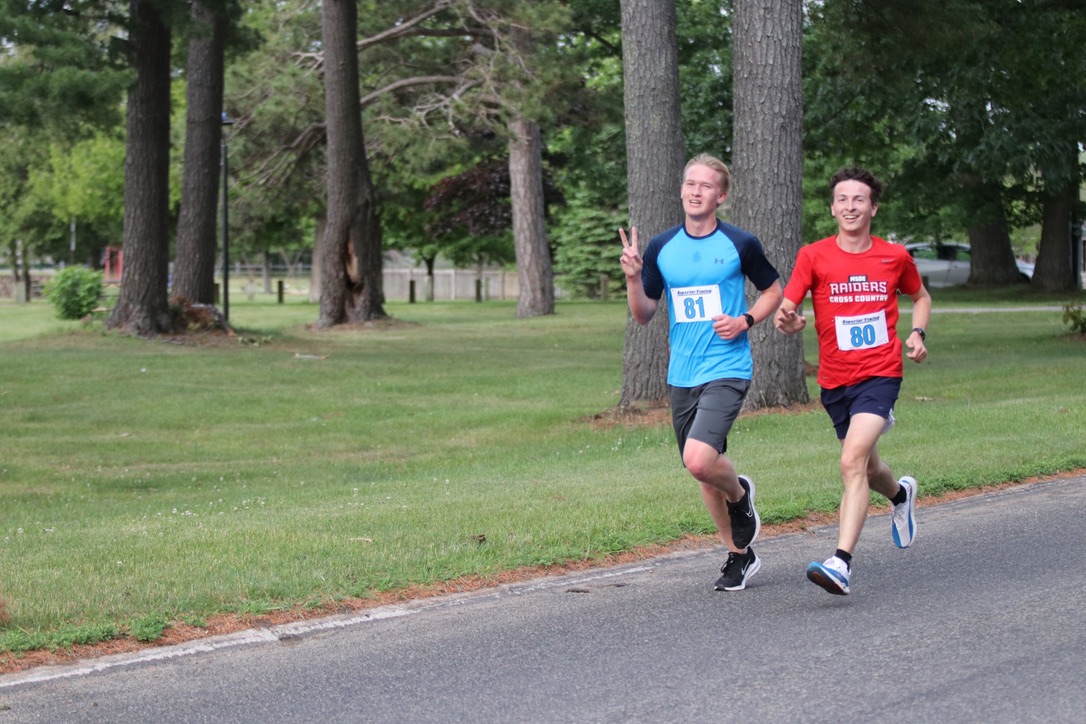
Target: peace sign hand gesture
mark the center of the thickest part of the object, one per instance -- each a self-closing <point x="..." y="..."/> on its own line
<point x="631" y="257"/>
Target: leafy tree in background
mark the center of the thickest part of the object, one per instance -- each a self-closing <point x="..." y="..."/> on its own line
<point x="704" y="33"/>
<point x="982" y="96"/>
<point x="474" y="204"/>
<point x="586" y="154"/>
<point x="62" y="71"/>
<point x="61" y="75"/>
<point x="274" y="94"/>
<point x="27" y="223"/>
<point x="84" y="184"/>
<point x="585" y="250"/>
<point x="985" y="100"/>
<point x="482" y="73"/>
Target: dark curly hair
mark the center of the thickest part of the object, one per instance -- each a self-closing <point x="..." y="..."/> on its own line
<point x="853" y="173"/>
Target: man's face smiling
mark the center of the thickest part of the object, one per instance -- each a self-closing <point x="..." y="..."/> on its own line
<point x="852" y="207"/>
<point x="701" y="192"/>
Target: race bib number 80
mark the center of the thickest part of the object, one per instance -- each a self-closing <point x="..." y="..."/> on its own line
<point x="696" y="304"/>
<point x="863" y="331"/>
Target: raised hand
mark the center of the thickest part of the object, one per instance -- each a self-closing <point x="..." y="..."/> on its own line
<point x="631" y="256"/>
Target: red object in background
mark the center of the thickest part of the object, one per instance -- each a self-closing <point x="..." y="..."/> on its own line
<point x="113" y="265"/>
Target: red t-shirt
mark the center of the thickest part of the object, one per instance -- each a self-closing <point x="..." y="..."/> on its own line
<point x="855" y="307"/>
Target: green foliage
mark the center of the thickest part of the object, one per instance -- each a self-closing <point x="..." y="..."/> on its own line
<point x="945" y="97"/>
<point x="26" y="214"/>
<point x="148" y="628"/>
<point x="1075" y="316"/>
<point x="587" y="249"/>
<point x="705" y="74"/>
<point x="60" y="71"/>
<point x="75" y="291"/>
<point x="63" y="638"/>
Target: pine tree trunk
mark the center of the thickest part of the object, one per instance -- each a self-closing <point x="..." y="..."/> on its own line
<point x="655" y="158"/>
<point x="536" y="274"/>
<point x="197" y="241"/>
<point x="351" y="258"/>
<point x="768" y="173"/>
<point x="142" y="308"/>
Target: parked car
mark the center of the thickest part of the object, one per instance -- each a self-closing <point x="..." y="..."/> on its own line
<point x="946" y="263"/>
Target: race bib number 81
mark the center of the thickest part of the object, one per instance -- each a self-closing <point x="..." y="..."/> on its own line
<point x="863" y="331"/>
<point x="696" y="304"/>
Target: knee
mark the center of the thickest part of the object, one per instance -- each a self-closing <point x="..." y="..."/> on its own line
<point x="699" y="463"/>
<point x="853" y="467"/>
<point x="697" y="467"/>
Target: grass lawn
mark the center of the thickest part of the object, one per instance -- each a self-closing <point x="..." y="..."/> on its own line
<point x="150" y="483"/>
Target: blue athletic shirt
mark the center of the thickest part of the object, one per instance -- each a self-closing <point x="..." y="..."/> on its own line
<point x="704" y="276"/>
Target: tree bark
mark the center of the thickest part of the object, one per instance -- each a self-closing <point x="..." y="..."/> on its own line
<point x="197" y="242"/>
<point x="351" y="257"/>
<point x="1054" y="271"/>
<point x="991" y="256"/>
<point x="142" y="307"/>
<point x="534" y="268"/>
<point x="768" y="173"/>
<point x="655" y="158"/>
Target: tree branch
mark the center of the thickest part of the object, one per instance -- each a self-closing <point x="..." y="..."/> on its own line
<point x="404" y="28"/>
<point x="421" y="80"/>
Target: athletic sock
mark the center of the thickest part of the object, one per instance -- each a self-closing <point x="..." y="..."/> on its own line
<point x="845" y="556"/>
<point x="901" y="496"/>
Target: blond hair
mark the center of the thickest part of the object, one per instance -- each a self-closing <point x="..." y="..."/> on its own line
<point x="724" y="177"/>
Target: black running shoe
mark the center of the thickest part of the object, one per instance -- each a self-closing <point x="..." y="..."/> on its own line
<point x="744" y="518"/>
<point x="737" y="570"/>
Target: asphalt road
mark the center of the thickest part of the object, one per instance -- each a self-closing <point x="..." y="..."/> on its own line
<point x="982" y="620"/>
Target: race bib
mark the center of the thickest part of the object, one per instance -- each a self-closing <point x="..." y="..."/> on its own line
<point x="696" y="304"/>
<point x="862" y="331"/>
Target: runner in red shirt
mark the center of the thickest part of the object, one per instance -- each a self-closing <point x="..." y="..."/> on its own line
<point x="853" y="279"/>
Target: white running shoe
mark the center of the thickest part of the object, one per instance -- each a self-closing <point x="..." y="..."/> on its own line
<point x="903" y="517"/>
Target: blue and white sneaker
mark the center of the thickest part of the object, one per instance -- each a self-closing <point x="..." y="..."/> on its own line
<point x="831" y="575"/>
<point x="903" y="517"/>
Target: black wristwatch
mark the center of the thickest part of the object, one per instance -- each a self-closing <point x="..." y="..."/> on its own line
<point x="750" y="321"/>
<point x="920" y="331"/>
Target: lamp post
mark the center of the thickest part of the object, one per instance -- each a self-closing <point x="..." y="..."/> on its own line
<point x="227" y="121"/>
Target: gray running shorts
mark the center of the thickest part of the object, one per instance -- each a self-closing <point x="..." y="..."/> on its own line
<point x="706" y="413"/>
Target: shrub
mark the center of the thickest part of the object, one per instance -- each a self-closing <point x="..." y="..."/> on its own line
<point x="587" y="249"/>
<point x="74" y="291"/>
<point x="1075" y="315"/>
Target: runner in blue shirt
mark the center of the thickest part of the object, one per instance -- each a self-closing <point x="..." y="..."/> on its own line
<point x="702" y="266"/>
